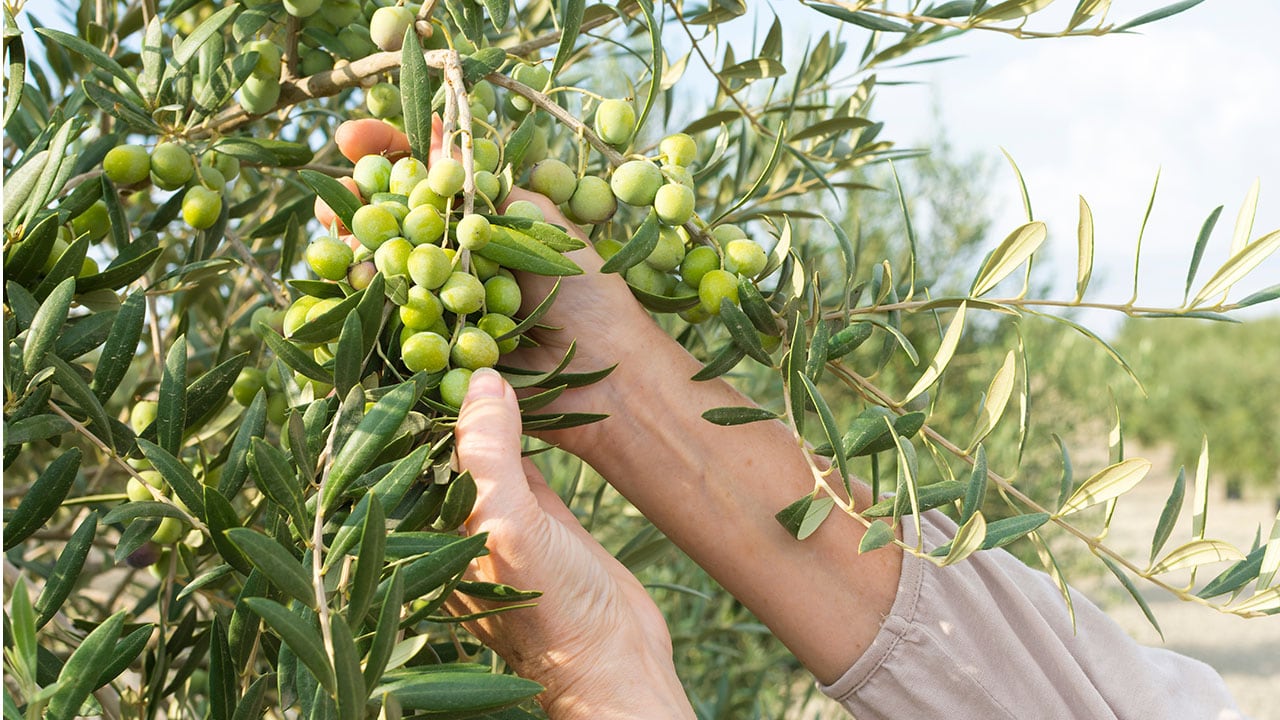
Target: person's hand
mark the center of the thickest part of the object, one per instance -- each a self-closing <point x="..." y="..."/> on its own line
<point x="595" y="639"/>
<point x="594" y="310"/>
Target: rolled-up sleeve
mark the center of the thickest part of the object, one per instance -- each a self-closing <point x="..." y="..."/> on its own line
<point x="991" y="638"/>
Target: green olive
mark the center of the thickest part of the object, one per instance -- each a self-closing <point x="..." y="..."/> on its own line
<point x="127" y="164"/>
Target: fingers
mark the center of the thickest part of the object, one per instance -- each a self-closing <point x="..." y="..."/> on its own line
<point x="488" y="444"/>
<point x="370" y="136"/>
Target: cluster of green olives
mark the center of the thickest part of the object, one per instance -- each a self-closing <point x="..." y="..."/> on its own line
<point x="170" y="166"/>
<point x="457" y="315"/>
<point x="149" y="485"/>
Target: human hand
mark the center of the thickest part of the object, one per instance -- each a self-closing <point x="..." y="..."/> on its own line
<point x="595" y="640"/>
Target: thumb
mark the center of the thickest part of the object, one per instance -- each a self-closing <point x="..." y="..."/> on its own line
<point x="488" y="444"/>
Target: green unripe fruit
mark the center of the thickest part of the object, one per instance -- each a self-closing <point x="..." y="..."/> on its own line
<point x="277" y="409"/>
<point x="383" y="100"/>
<point x="361" y="274"/>
<point x="502" y="295"/>
<point x="716" y="286"/>
<point x="593" y="201"/>
<point x="424" y="225"/>
<point x="171" y="166"/>
<point x="169" y="532"/>
<point x="392" y="257"/>
<point x="423" y="195"/>
<point x="446" y="177"/>
<point x="225" y="164"/>
<point x="126" y="164"/>
<point x="406" y="174"/>
<point x="258" y="95"/>
<point x="296" y="315"/>
<point x="398" y="210"/>
<point x="425" y="352"/>
<point x="429" y="266"/>
<point x="486" y="153"/>
<point x="321" y="307"/>
<point x="669" y="252"/>
<point x="201" y="207"/>
<point x="321" y="23"/>
<point x="372" y="175"/>
<point x="695" y="315"/>
<point x="722" y="234"/>
<point x="535" y="76"/>
<point x="537" y="150"/>
<point x="453" y="386"/>
<point x="649" y="279"/>
<point x="356" y="42"/>
<point x="484" y="268"/>
<point x="388" y="25"/>
<point x="678" y="174"/>
<point x="474" y="349"/>
<point x="483" y="93"/>
<point x="269" y="57"/>
<point x="94" y="222"/>
<point x="210" y="178"/>
<point x="515" y="107"/>
<point x="674" y="204"/>
<point x="138" y="491"/>
<point x="496" y="326"/>
<point x="88" y="267"/>
<point x="423" y="309"/>
<point x="745" y="257"/>
<point x="302" y="8"/>
<point x="143" y="414"/>
<point x="373" y="225"/>
<point x="489" y="186"/>
<point x="472" y="232"/>
<point x="679" y="149"/>
<point x="607" y="247"/>
<point x="343" y="12"/>
<point x="247" y="384"/>
<point x="554" y="179"/>
<point x="462" y="293"/>
<point x="59" y="247"/>
<point x="315" y="61"/>
<point x="636" y="182"/>
<point x="524" y="209"/>
<point x="697" y="263"/>
<point x="615" y="121"/>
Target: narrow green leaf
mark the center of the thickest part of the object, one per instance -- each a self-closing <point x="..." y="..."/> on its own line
<point x="743" y="332"/>
<point x="1200" y="512"/>
<point x="976" y="490"/>
<point x="47" y="325"/>
<point x="725" y="359"/>
<point x="127" y="511"/>
<point x="276" y="563"/>
<point x="1169" y="516"/>
<point x="43" y="499"/>
<point x="254" y="700"/>
<point x="1195" y="554"/>
<point x="1159" y="14"/>
<point x="1133" y="592"/>
<point x="1012" y="252"/>
<point x="1086" y="9"/>
<point x="879" y="534"/>
<point x="641" y="244"/>
<point x="384" y="636"/>
<point x="1267" y="601"/>
<point x="341" y="200"/>
<point x="997" y="399"/>
<point x="221" y="518"/>
<point x="452" y="693"/>
<point x="369" y="561"/>
<point x="351" y="693"/>
<point x="1201" y="243"/>
<point x="738" y="415"/>
<point x="968" y="539"/>
<point x="377" y="428"/>
<point x="1084" y="253"/>
<point x="252" y="424"/>
<point x="40" y="427"/>
<point x="90" y="53"/>
<point x="459" y="499"/>
<point x="950" y="339"/>
<point x="67" y="267"/>
<point x="292" y="356"/>
<point x="205" y="30"/>
<point x="301" y="637"/>
<point x="66" y="571"/>
<point x="265" y="151"/>
<point x="275" y="477"/>
<point x="1110" y="482"/>
<point x="1271" y="557"/>
<point x="428" y="574"/>
<point x="416" y="92"/>
<point x="570" y="22"/>
<point x="1238" y="266"/>
<point x="862" y="19"/>
<point x="78" y="675"/>
<point x="794" y="363"/>
<point x="172" y="412"/>
<point x="1236" y="576"/>
<point x="184" y="484"/>
<point x="349" y="359"/>
<point x="223" y="675"/>
<point x="1006" y="530"/>
<point x="328" y="324"/>
<point x="928" y="497"/>
<point x="518" y="251"/>
<point x="1067" y="482"/>
<point x="847" y="340"/>
<point x="125" y="652"/>
<point x="1011" y="10"/>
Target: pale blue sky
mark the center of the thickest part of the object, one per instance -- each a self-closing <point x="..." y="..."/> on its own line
<point x="1196" y="95"/>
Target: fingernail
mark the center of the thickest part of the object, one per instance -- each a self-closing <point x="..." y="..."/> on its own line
<point x="486" y="383"/>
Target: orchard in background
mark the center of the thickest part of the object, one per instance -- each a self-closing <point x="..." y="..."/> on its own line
<point x="253" y="252"/>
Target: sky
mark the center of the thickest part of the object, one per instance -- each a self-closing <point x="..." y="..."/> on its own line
<point x="1195" y="96"/>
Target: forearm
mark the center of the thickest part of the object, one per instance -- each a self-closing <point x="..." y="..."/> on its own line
<point x="714" y="492"/>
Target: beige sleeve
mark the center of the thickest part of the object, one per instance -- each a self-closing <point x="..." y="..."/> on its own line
<point x="991" y="638"/>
